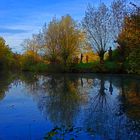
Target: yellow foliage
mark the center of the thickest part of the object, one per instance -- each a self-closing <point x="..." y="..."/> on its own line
<point x="31" y="55"/>
<point x="131" y="32"/>
<point x="91" y="57"/>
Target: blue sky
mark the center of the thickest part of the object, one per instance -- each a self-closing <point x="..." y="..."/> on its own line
<point x="19" y="19"/>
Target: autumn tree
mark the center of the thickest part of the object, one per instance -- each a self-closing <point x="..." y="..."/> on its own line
<point x="6" y="55"/>
<point x="62" y="40"/>
<point x="97" y="26"/>
<point x="51" y="38"/>
<point x="69" y="38"/>
<point x="119" y="10"/>
<point x="129" y="40"/>
<point x="35" y="44"/>
<point x="32" y="48"/>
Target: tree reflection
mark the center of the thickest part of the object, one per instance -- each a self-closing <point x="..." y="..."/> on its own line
<point x="100" y="97"/>
<point x="133" y="103"/>
<point x="63" y="101"/>
<point x="130" y="104"/>
<point x="129" y="98"/>
<point x="5" y="80"/>
<point x="31" y="81"/>
<point x="110" y="86"/>
<point x="97" y="114"/>
<point x="111" y="117"/>
<point x="108" y="106"/>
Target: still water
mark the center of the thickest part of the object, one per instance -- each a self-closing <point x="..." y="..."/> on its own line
<point x="69" y="106"/>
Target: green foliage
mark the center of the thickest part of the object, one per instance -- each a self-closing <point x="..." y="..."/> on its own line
<point x="32" y="62"/>
<point x="134" y="61"/>
<point x="129" y="40"/>
<point x="97" y="67"/>
<point x="6" y="55"/>
<point x="116" y="55"/>
<point x="27" y="62"/>
<point x="38" y="67"/>
<point x="41" y="67"/>
<point x="85" y="67"/>
<point x="113" y="67"/>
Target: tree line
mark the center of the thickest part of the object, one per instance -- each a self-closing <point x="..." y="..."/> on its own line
<point x="64" y="41"/>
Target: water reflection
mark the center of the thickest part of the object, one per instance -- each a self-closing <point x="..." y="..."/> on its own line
<point x="61" y="99"/>
<point x="110" y="86"/>
<point x="104" y="106"/>
<point x="5" y="81"/>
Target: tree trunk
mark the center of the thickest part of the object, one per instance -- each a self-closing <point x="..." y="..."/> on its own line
<point x="101" y="58"/>
<point x="101" y="55"/>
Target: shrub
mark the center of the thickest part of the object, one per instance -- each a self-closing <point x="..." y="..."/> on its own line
<point x="113" y="67"/>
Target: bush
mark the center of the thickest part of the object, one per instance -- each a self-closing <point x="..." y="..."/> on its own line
<point x="134" y="61"/>
<point x="97" y="67"/>
<point x="113" y="67"/>
<point x="39" y="67"/>
<point x="83" y="67"/>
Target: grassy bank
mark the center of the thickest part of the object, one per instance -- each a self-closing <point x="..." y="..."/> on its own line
<point x="94" y="67"/>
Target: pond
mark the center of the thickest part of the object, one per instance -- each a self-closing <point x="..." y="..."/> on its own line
<point x="69" y="106"/>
